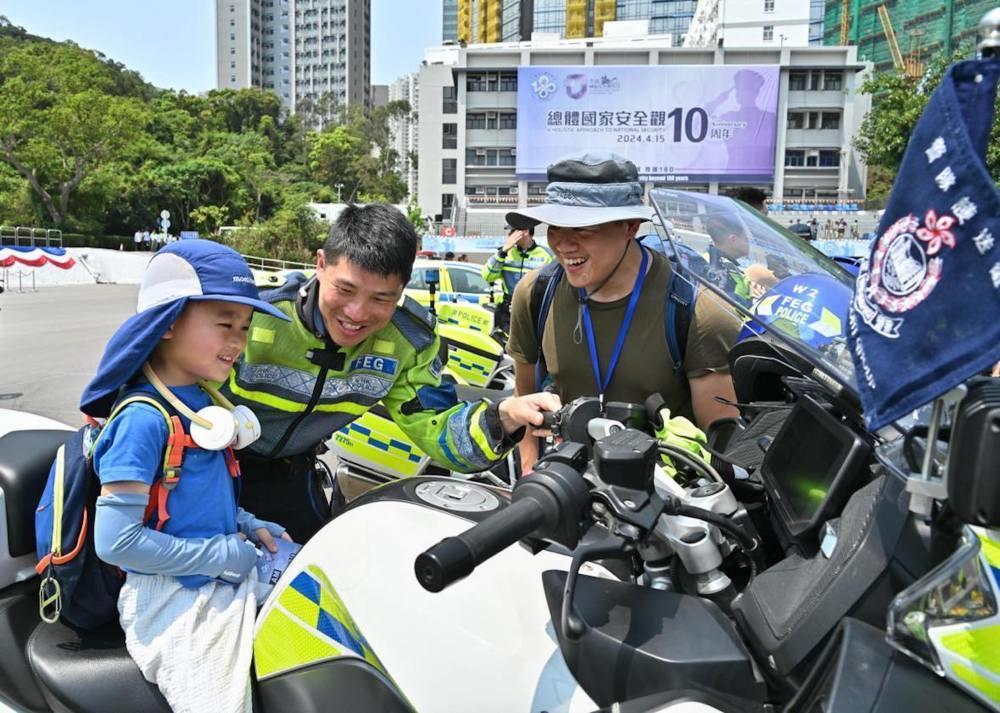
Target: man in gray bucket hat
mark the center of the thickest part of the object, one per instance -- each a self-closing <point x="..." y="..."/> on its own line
<point x="596" y="323"/>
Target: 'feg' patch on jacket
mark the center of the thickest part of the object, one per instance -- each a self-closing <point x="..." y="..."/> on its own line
<point x="376" y="363"/>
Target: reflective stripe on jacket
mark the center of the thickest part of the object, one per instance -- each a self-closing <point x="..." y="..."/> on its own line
<point x="515" y="265"/>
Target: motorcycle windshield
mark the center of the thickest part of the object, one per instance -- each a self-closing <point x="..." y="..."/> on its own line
<point x="774" y="278"/>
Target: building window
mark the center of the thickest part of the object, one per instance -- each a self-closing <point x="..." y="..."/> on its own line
<point x="449" y="170"/>
<point x="829" y="158"/>
<point x="491" y="120"/>
<point x="769" y="33"/>
<point x="830" y="121"/>
<point x="796" y="120"/>
<point x="768" y="5"/>
<point x="475" y="83"/>
<point x="797" y="81"/>
<point x="449" y="136"/>
<point x="447" y="205"/>
<point x="815" y="81"/>
<point x="232" y="36"/>
<point x="795" y="157"/>
<point x="814" y="120"/>
<point x="449" y="100"/>
<point x="508" y="81"/>
<point x="475" y="121"/>
<point x="508" y="121"/>
<point x="833" y="81"/>
<point x="232" y="78"/>
<point x="232" y="23"/>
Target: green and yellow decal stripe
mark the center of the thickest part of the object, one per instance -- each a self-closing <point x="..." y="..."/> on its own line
<point x="308" y="624"/>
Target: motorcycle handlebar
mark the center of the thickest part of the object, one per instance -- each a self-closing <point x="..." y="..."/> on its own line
<point x="455" y="557"/>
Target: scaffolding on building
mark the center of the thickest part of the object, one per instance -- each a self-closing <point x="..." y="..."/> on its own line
<point x="926" y="29"/>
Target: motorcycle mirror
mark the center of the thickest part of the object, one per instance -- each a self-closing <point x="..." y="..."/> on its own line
<point x="974" y="455"/>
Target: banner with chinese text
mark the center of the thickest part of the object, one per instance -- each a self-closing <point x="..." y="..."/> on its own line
<point x="678" y="124"/>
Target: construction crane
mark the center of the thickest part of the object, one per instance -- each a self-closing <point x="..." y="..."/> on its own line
<point x="911" y="66"/>
<point x="890" y="36"/>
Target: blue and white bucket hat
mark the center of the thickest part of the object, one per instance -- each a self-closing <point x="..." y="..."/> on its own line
<point x="587" y="189"/>
<point x="182" y="271"/>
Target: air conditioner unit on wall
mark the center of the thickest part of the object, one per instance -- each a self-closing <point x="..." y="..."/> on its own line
<point x="480" y="152"/>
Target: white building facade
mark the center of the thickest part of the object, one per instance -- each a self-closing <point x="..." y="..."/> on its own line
<point x="300" y="49"/>
<point x="406" y="131"/>
<point x="756" y="23"/>
<point x="470" y="93"/>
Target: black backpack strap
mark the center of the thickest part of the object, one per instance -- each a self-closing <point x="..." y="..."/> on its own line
<point x="677" y="315"/>
<point x="542" y="293"/>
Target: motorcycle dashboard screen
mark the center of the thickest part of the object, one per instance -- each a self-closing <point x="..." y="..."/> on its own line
<point x="811" y="465"/>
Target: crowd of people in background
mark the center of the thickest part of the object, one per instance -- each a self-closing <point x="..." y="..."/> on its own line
<point x="151" y="242"/>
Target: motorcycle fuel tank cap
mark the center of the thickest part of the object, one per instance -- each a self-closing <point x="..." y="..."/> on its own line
<point x="458" y="497"/>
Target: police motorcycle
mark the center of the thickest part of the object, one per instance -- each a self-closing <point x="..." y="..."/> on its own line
<point x="374" y="450"/>
<point x="852" y="571"/>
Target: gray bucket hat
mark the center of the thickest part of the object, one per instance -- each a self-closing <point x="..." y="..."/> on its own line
<point x="587" y="189"/>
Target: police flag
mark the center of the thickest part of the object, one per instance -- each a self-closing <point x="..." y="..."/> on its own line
<point x="926" y="309"/>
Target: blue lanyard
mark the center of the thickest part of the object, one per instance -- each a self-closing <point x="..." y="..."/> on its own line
<point x="602" y="384"/>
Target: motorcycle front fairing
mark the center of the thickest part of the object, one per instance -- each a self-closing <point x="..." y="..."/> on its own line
<point x="486" y="644"/>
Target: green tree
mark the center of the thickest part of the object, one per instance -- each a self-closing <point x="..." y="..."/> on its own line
<point x="898" y="101"/>
<point x="335" y="157"/>
<point x="59" y="120"/>
<point x="207" y="219"/>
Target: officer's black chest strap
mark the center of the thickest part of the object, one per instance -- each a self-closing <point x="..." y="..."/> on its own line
<point x="329" y="357"/>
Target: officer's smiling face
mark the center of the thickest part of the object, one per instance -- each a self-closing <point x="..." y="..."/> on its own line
<point x="354" y="302"/>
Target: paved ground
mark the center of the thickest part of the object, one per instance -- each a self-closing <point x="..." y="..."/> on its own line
<point x="51" y="341"/>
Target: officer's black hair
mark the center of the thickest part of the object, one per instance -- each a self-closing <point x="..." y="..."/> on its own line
<point x="377" y="238"/>
<point x="720" y="227"/>
<point x="530" y="231"/>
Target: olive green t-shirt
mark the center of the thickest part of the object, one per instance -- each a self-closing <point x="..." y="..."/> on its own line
<point x="645" y="366"/>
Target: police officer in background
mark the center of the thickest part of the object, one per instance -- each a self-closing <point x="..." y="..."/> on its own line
<point x="349" y="345"/>
<point x="519" y="255"/>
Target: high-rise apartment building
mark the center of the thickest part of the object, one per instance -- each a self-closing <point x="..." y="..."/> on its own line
<point x="488" y="21"/>
<point x="405" y="130"/>
<point x="449" y="21"/>
<point x="303" y="50"/>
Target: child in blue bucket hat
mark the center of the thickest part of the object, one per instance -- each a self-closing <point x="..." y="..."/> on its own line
<point x="188" y="602"/>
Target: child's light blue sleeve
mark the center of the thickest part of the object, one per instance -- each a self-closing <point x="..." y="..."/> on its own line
<point x="130" y="447"/>
<point x="121" y="539"/>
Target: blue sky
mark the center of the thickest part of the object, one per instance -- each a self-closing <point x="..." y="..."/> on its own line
<point x="171" y="42"/>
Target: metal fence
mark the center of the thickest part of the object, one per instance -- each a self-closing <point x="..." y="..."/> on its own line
<point x="25" y="236"/>
<point x="267" y="263"/>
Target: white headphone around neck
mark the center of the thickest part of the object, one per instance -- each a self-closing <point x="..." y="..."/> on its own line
<point x="213" y="428"/>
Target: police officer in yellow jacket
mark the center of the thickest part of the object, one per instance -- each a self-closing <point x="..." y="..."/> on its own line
<point x="350" y="344"/>
<point x="518" y="256"/>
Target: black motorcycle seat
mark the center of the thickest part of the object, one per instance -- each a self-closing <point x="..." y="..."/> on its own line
<point x="90" y="672"/>
<point x="25" y="459"/>
<point x="476" y="393"/>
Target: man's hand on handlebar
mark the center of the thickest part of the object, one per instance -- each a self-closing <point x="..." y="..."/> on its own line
<point x="528" y="411"/>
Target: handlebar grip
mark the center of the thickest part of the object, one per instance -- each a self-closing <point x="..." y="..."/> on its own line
<point x="455" y="557"/>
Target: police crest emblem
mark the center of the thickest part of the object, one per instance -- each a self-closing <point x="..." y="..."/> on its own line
<point x="904" y="269"/>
